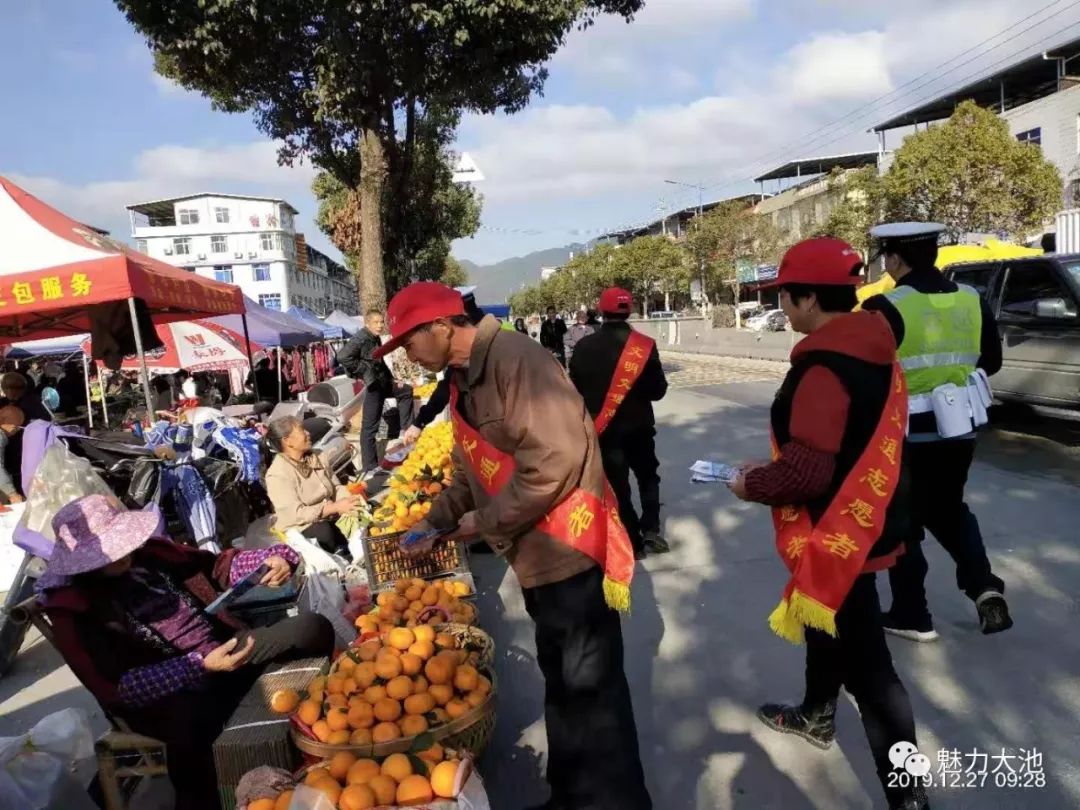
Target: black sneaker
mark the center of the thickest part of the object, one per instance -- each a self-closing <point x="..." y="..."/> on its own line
<point x="655" y="543"/>
<point x="816" y="727"/>
<point x="920" y="630"/>
<point x="993" y="613"/>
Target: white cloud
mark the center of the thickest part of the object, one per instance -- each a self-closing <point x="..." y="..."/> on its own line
<point x="838" y="67"/>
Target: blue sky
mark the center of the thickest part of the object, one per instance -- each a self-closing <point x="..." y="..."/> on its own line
<point x="703" y="91"/>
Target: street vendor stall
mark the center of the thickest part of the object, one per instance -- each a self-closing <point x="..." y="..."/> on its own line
<point x="328" y="331"/>
<point x="59" y="277"/>
<point x="348" y="323"/>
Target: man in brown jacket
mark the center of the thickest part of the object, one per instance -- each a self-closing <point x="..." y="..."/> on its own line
<point x="529" y="479"/>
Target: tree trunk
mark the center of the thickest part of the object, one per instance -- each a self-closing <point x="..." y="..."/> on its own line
<point x="372" y="280"/>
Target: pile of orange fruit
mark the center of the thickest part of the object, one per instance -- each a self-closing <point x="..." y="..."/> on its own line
<point x="404" y="605"/>
<point x="424" y="473"/>
<point x="351" y="783"/>
<point x="398" y="685"/>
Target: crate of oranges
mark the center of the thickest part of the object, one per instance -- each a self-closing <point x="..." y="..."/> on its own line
<point x="382" y="694"/>
<point x="387" y="564"/>
<point x="435" y="778"/>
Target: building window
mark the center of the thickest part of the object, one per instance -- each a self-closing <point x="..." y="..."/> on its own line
<point x="221" y="215"/>
<point x="270" y="301"/>
<point x="182" y="245"/>
<point x="270" y="241"/>
<point x="260" y="272"/>
<point x="140" y="245"/>
<point x="1031" y="136"/>
<point x="189" y="216"/>
<point x="219" y="244"/>
<point x="223" y="273"/>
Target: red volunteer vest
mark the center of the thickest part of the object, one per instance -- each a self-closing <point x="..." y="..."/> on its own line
<point x="631" y="363"/>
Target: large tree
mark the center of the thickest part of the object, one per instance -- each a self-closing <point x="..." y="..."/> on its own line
<point x="453" y="274"/>
<point x="651" y="264"/>
<point x="972" y="175"/>
<point x="343" y="82"/>
<point x="727" y="238"/>
<point x="423" y="209"/>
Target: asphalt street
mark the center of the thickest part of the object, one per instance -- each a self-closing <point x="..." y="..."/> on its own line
<point x="700" y="657"/>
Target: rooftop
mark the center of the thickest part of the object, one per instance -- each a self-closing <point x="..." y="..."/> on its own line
<point x="159" y="208"/>
<point x="819" y="165"/>
<point x="684" y="214"/>
<point x="1031" y="78"/>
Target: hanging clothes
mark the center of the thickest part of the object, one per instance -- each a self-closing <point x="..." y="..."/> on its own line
<point x="194" y="503"/>
<point x="242" y="445"/>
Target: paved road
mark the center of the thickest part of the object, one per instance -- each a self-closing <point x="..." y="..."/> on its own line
<point x="700" y="657"/>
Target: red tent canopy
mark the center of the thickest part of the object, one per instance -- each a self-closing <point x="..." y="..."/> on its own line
<point x="53" y="268"/>
<point x="194" y="346"/>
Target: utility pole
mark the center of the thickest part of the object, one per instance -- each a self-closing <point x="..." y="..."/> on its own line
<point x="700" y="211"/>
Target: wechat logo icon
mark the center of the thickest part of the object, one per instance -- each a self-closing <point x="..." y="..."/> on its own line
<point x="905" y="757"/>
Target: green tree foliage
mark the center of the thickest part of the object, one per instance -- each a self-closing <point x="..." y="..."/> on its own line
<point x="726" y="237"/>
<point x="453" y="274"/>
<point x="646" y="265"/>
<point x="969" y="173"/>
<point x="343" y="83"/>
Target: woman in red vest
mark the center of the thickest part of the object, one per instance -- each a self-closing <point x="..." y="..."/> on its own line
<point x="839" y="499"/>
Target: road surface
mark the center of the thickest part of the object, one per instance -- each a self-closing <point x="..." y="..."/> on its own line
<point x="700" y="657"/>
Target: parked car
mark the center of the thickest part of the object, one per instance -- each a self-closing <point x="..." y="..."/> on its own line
<point x="1037" y="304"/>
<point x="661" y="314"/>
<point x="772" y="320"/>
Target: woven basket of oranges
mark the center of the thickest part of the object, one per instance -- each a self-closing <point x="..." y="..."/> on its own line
<point x="387" y="691"/>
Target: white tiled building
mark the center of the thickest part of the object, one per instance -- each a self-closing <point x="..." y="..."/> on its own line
<point x="247" y="241"/>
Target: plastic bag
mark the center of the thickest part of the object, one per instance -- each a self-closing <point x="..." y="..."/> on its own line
<point x="35" y="768"/>
<point x="326" y="596"/>
<point x="61" y="478"/>
<point x="316" y="561"/>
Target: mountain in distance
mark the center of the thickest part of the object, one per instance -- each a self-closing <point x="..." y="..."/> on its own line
<point x="497" y="281"/>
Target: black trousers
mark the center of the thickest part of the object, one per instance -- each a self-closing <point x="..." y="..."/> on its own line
<point x="189" y="722"/>
<point x="374" y="400"/>
<point x="634" y="452"/>
<point x="939" y="473"/>
<point x="593" y="759"/>
<point x="859" y="660"/>
<point x="327" y="535"/>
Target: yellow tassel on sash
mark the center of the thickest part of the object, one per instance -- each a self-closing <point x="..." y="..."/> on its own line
<point x="617" y="595"/>
<point x="792" y="615"/>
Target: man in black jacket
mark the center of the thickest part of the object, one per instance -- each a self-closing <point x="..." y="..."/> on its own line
<point x="379" y="384"/>
<point x="552" y="334"/>
<point x="628" y="442"/>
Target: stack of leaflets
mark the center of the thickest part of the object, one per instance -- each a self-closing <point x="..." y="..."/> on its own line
<point x="712" y="472"/>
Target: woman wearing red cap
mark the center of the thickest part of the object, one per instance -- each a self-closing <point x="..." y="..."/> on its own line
<point x="839" y="499"/>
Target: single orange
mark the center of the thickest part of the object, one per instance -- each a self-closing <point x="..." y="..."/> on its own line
<point x="309" y="712"/>
<point x="361" y="772"/>
<point x="340" y="764"/>
<point x="414" y="790"/>
<point x="321" y="730"/>
<point x="284" y="799"/>
<point x="413" y="725"/>
<point x="373" y="694"/>
<point x="361" y="715"/>
<point x="411" y="664"/>
<point x="397" y="766"/>
<point x="361" y="736"/>
<point x="442" y="692"/>
<point x="284" y="701"/>
<point x="357" y="797"/>
<point x="443" y="778"/>
<point x="399" y="688"/>
<point x="387" y="710"/>
<point x="385" y="732"/>
<point x="385" y="789"/>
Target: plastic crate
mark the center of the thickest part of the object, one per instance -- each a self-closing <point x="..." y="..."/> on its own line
<point x="386" y="562"/>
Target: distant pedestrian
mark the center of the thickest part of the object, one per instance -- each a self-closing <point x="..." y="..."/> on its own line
<point x="618" y="372"/>
<point x="579" y="330"/>
<point x="519" y="326"/>
<point x="552" y="335"/>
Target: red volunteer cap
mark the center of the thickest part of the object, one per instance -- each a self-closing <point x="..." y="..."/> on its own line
<point x="615" y="300"/>
<point x="417" y="305"/>
<point x="819" y="261"/>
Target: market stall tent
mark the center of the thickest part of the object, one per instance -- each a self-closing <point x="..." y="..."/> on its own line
<point x="193" y="346"/>
<point x="328" y="332"/>
<point x="55" y="271"/>
<point x="349" y="324"/>
<point x="269" y="327"/>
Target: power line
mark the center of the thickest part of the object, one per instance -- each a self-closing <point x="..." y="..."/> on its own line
<point x="896" y="94"/>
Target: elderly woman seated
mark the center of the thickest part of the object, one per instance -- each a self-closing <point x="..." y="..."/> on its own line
<point x="127" y="610"/>
<point x="305" y="494"/>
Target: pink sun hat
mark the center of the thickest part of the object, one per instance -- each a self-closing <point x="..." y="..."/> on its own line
<point x="96" y="530"/>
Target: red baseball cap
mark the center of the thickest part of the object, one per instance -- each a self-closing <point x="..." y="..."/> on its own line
<point x="417" y="305"/>
<point x="615" y="301"/>
<point x="821" y="261"/>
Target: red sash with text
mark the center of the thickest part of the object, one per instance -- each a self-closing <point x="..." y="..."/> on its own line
<point x="631" y="363"/>
<point x="582" y="521"/>
<point x="824" y="559"/>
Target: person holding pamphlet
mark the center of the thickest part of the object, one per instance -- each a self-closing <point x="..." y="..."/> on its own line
<point x="839" y="497"/>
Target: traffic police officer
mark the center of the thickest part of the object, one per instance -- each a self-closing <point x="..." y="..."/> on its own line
<point x="617" y="370"/>
<point x="948" y="345"/>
